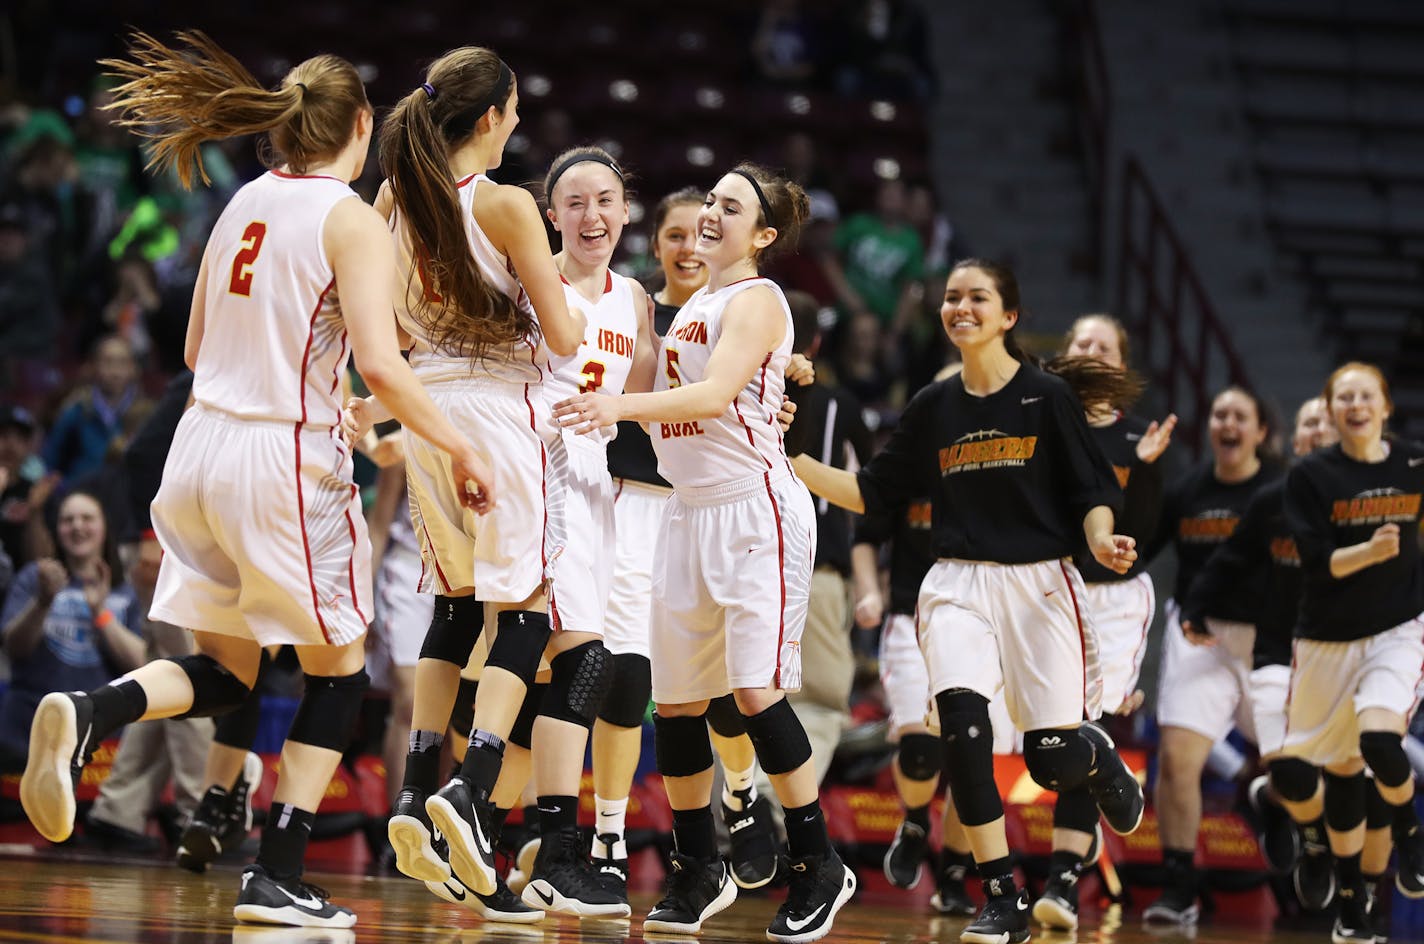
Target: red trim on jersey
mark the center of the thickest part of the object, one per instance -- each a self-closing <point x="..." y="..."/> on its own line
<point x="434" y="558"/>
<point x="461" y="183"/>
<point x="750" y="278"/>
<point x="351" y="562"/>
<point x="1414" y="704"/>
<point x="544" y="493"/>
<point x="737" y="408"/>
<point x="607" y="281"/>
<point x="297" y="438"/>
<point x="286" y="176"/>
<point x="781" y="574"/>
<point x="1082" y="642"/>
<point x="1141" y="649"/>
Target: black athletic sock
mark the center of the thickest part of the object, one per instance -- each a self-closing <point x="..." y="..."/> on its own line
<point x="557" y="813"/>
<point x="806" y="830"/>
<point x="116" y="705"/>
<point x="1347" y="870"/>
<point x="483" y="758"/>
<point x="920" y="816"/>
<point x="422" y="763"/>
<point x="1063" y="861"/>
<point x="694" y="833"/>
<point x="284" y="841"/>
<point x="949" y="859"/>
<point x="998" y="876"/>
<point x="1404" y="821"/>
<point x="1313" y="833"/>
<point x="497" y="817"/>
<point x="531" y="816"/>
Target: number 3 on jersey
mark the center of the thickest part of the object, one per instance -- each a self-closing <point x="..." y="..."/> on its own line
<point x="241" y="281"/>
<point x="592" y="375"/>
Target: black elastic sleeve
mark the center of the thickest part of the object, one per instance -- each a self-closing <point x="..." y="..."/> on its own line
<point x="873" y="529"/>
<point x="896" y="473"/>
<point x="1149" y="546"/>
<point x="1246" y="551"/>
<point x="1142" y="500"/>
<point x="861" y="439"/>
<point x="1308" y="517"/>
<point x="1088" y="476"/>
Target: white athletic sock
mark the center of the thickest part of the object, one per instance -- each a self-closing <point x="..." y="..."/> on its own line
<point x="738" y="780"/>
<point x="610" y="815"/>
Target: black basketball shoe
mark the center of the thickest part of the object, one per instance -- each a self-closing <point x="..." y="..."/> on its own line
<point x="564" y="881"/>
<point x="905" y="855"/>
<point x="222" y="820"/>
<point x="464" y="820"/>
<point x="818" y="888"/>
<point x="754" y="848"/>
<point x="265" y="900"/>
<point x="61" y="738"/>
<point x="696" y="890"/>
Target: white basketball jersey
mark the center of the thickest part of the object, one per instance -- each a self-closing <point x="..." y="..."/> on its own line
<point x="274" y="342"/>
<point x="522" y="362"/>
<point x="605" y="357"/>
<point x="746" y="439"/>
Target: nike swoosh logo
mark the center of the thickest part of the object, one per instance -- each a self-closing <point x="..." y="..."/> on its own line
<point x="1415" y="462"/>
<point x="313" y="903"/>
<point x="456" y="891"/>
<point x="1021" y="905"/>
<point x="607" y="813"/>
<point x="1027" y="400"/>
<point x="546" y="899"/>
<point x="481" y="841"/>
<point x="794" y="925"/>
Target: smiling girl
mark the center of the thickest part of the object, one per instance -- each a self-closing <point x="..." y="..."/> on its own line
<point x="1017" y="485"/>
<point x="1354" y="509"/>
<point x="733" y="559"/>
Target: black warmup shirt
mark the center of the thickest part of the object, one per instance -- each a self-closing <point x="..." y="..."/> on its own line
<point x="1011" y="474"/>
<point x="1262" y="540"/>
<point x="909" y="531"/>
<point x="1333" y="501"/>
<point x="1200" y="513"/>
<point x="630" y="454"/>
<point x="1142" y="490"/>
<point x="834" y="426"/>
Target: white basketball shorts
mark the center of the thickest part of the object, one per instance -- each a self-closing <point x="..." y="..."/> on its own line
<point x="581" y="523"/>
<point x="638" y="514"/>
<point x="1270" y="688"/>
<point x="403" y="614"/>
<point x="903" y="674"/>
<point x="1122" y="612"/>
<point x="501" y="554"/>
<point x="1204" y="688"/>
<point x="731" y="588"/>
<point x="262" y="533"/>
<point x="1332" y="682"/>
<point x="1022" y="628"/>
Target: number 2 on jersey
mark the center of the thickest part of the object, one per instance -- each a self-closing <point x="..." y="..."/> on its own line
<point x="592" y="374"/>
<point x="241" y="281"/>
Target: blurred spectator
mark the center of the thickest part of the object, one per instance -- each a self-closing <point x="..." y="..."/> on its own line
<point x="56" y="206"/>
<point x="804" y="165"/>
<point x="65" y="622"/>
<point x="19" y="467"/>
<point x="135" y="301"/>
<point x="859" y="365"/>
<point x="813" y="267"/>
<point x="883" y="257"/>
<point x="785" y="43"/>
<point x="884" y="53"/>
<point x="108" y="158"/>
<point x="94" y="415"/>
<point x="29" y="308"/>
<point x="942" y="242"/>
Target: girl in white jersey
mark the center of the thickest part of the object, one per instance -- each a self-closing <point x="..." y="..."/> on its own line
<point x="734" y="554"/>
<point x="259" y="520"/>
<point x="588" y="205"/>
<point x="476" y="268"/>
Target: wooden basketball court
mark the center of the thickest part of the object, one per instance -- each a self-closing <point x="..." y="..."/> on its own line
<point x="64" y="897"/>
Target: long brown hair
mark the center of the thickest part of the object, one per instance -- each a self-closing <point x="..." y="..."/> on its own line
<point x="787" y="202"/>
<point x="181" y="99"/>
<point x="463" y="313"/>
<point x="1091" y="379"/>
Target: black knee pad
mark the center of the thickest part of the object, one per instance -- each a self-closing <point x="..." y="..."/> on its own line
<point x="1076" y="809"/>
<point x="1384" y="753"/>
<point x="1295" y="779"/>
<point x="578" y="681"/>
<point x="328" y="709"/>
<point x="627" y="700"/>
<point x="520" y="643"/>
<point x="968" y="738"/>
<point x="725" y="717"/>
<point x="779" y="738"/>
<point x="682" y="746"/>
<point x="454" y="627"/>
<point x="216" y="691"/>
<point x="1057" y="758"/>
<point x="1378" y="813"/>
<point x="238" y="728"/>
<point x="522" y="733"/>
<point x="1344" y="801"/>
<point x="919" y="756"/>
<point x="462" y="713"/>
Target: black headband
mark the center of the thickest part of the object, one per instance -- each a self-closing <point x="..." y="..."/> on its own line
<point x="761" y="197"/>
<point x="579" y="158"/>
<point x="461" y="125"/>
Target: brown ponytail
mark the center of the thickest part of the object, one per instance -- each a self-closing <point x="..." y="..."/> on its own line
<point x="788" y="203"/>
<point x="463" y="314"/>
<point x="181" y="99"/>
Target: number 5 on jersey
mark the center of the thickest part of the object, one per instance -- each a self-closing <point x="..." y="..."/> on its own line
<point x="241" y="281"/>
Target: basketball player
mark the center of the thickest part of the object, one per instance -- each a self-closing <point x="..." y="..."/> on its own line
<point x="259" y="520"/>
<point x="734" y="553"/>
<point x="476" y="265"/>
<point x="1017" y="483"/>
<point x="1122" y="604"/>
<point x="1360" y="636"/>
<point x="1263" y="539"/>
<point x="640" y="494"/>
<point x="1203" y="689"/>
<point x="588" y="206"/>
